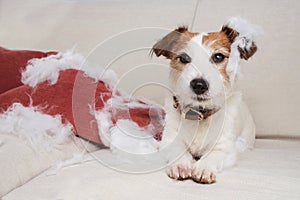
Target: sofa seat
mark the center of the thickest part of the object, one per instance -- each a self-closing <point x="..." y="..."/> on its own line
<point x="269" y="171"/>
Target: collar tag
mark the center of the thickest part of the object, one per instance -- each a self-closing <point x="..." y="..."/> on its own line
<point x="192" y="114"/>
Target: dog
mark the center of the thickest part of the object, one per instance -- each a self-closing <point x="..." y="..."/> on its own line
<point x="207" y="124"/>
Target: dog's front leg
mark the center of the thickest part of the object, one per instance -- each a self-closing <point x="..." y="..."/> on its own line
<point x="174" y="148"/>
<point x="205" y="169"/>
<point x="180" y="161"/>
<point x="181" y="169"/>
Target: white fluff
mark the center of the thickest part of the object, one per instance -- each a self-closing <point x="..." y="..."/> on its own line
<point x="104" y="122"/>
<point x="247" y="32"/>
<point x="126" y="135"/>
<point x="108" y="76"/>
<point x="47" y="69"/>
<point x="129" y="137"/>
<point x="244" y="28"/>
<point x="37" y="128"/>
<point x="40" y="70"/>
<point x="123" y="101"/>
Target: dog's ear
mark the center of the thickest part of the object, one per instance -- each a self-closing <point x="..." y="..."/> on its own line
<point x="247" y="52"/>
<point x="241" y="32"/>
<point x="172" y="42"/>
<point x="230" y="33"/>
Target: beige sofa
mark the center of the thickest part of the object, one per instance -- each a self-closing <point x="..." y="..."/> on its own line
<point x="270" y="83"/>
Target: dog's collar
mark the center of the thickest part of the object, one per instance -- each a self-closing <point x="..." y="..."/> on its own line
<point x="193" y="113"/>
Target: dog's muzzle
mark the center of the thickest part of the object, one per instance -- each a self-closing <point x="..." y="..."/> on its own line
<point x="193" y="112"/>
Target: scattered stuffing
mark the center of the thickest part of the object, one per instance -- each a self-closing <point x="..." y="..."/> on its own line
<point x="37" y="128"/>
<point x="76" y="159"/>
<point x="244" y="28"/>
<point x="126" y="135"/>
<point x="40" y="70"/>
<point x="46" y="130"/>
<point x="108" y="76"/>
<point x="129" y="137"/>
<point x="105" y="123"/>
<point x="247" y="32"/>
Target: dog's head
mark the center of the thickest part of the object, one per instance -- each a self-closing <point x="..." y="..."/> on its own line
<point x="204" y="65"/>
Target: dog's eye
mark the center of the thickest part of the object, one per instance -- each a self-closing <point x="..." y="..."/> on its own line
<point x="184" y="58"/>
<point x="217" y="58"/>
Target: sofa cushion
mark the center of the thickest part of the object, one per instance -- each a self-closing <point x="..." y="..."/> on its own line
<point x="20" y="162"/>
<point x="270" y="171"/>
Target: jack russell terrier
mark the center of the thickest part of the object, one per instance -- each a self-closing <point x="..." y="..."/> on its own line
<point x="207" y="122"/>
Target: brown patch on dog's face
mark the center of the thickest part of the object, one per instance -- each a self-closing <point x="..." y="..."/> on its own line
<point x="219" y="44"/>
<point x="173" y="43"/>
<point x="217" y="41"/>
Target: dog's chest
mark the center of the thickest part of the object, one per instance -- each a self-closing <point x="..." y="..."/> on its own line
<point x="200" y="136"/>
<point x="193" y="133"/>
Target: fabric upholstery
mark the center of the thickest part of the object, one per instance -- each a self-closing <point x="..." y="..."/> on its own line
<point x="20" y="162"/>
<point x="270" y="171"/>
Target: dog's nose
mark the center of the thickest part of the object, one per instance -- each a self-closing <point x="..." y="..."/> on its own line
<point x="199" y="86"/>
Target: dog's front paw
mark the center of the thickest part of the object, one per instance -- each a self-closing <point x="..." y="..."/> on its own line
<point x="202" y="173"/>
<point x="181" y="170"/>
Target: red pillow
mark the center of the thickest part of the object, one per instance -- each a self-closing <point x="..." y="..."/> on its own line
<point x="11" y="64"/>
<point x="72" y="97"/>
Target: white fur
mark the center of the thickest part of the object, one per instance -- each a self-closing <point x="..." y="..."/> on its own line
<point x="218" y="139"/>
<point x="200" y="67"/>
<point x="36" y="128"/>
